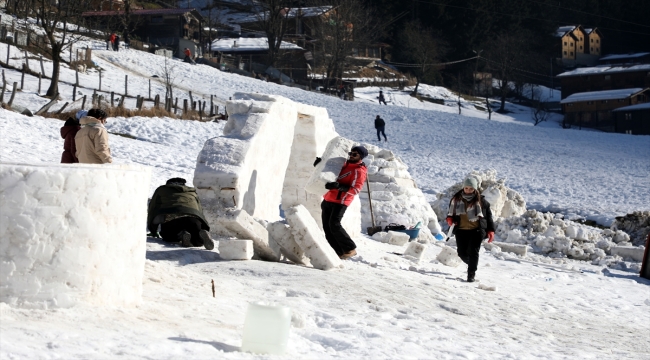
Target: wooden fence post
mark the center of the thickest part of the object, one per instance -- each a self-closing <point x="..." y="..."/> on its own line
<point x="193" y="105"/>
<point x="74" y="92"/>
<point x="112" y="99"/>
<point x="26" y="60"/>
<point x="211" y="105"/>
<point x="42" y="67"/>
<point x="156" y="102"/>
<point x="126" y="85"/>
<point x="39" y="83"/>
<point x="2" y="95"/>
<point x="191" y="98"/>
<point x="76" y="76"/>
<point x="184" y="106"/>
<point x="13" y="93"/>
<point x="4" y="79"/>
<point x="8" y="52"/>
<point x="83" y="102"/>
<point x="149" y="90"/>
<point x="121" y="104"/>
<point x="62" y="108"/>
<point x="22" y="78"/>
<point x="100" y="79"/>
<point x="175" y="105"/>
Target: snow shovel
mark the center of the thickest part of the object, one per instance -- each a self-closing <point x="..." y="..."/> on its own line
<point x="372" y="229"/>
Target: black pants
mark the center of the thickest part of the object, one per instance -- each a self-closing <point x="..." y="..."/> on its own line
<point x="334" y="232"/>
<point x="381" y="100"/>
<point x="169" y="230"/>
<point x="468" y="244"/>
<point x="381" y="130"/>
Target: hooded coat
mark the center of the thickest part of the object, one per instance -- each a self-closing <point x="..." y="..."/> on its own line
<point x="352" y="175"/>
<point x="175" y="199"/>
<point x="68" y="132"/>
<point x="92" y="142"/>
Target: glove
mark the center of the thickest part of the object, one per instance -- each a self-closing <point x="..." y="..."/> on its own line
<point x="344" y="188"/>
<point x="450" y="221"/>
<point x="154" y="235"/>
<point x="317" y="161"/>
<point x="332" y="185"/>
<point x="490" y="236"/>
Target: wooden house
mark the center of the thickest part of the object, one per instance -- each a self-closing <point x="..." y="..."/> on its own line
<point x="594" y="109"/>
<point x="625" y="59"/>
<point x="174" y="29"/>
<point x="633" y="119"/>
<point x="604" y="78"/>
<point x="579" y="46"/>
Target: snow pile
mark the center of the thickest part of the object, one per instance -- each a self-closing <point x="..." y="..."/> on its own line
<point x="72" y="233"/>
<point x="504" y="202"/>
<point x="551" y="235"/>
<point x="637" y="225"/>
<point x="394" y="195"/>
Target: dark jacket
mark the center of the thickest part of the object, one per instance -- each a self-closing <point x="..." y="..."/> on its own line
<point x="379" y="123"/>
<point x="175" y="199"/>
<point x="68" y="132"/>
<point x="486" y="223"/>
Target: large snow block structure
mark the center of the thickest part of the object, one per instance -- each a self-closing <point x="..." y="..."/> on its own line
<point x="311" y="239"/>
<point x="264" y="158"/>
<point x="72" y="233"/>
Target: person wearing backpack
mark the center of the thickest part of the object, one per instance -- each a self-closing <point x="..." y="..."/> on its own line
<point x="339" y="197"/>
<point x="472" y="217"/>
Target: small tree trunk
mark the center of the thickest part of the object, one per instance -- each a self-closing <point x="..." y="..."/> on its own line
<point x="54" y="83"/>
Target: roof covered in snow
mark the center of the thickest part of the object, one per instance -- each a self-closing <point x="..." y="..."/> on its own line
<point x="248" y="44"/>
<point x="143" y="12"/>
<point x="291" y="13"/>
<point x="604" y="69"/>
<point x="562" y="30"/>
<point x="624" y="56"/>
<point x="601" y="95"/>
<point x="644" y="106"/>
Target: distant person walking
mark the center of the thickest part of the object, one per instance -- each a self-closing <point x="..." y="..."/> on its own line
<point x="381" y="98"/>
<point x="116" y="44"/>
<point x="111" y="40"/>
<point x="68" y="132"/>
<point x="380" y="125"/>
<point x="92" y="140"/>
<point x="339" y="197"/>
<point x="472" y="217"/>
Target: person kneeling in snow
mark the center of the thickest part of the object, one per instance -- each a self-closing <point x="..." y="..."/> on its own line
<point x="338" y="198"/>
<point x="177" y="209"/>
<point x="471" y="214"/>
<point x="92" y="140"/>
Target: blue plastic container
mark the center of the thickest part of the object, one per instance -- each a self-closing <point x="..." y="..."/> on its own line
<point x="412" y="233"/>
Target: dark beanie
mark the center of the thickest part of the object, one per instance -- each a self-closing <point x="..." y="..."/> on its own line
<point x="361" y="150"/>
<point x="179" y="181"/>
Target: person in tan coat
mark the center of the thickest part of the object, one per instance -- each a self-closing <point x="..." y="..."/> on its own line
<point x="92" y="140"/>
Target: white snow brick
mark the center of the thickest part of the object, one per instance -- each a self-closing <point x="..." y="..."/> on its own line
<point x="487" y="287"/>
<point x="231" y="174"/>
<point x="236" y="249"/>
<point x="512" y="248"/>
<point x="243" y="226"/>
<point x="311" y="239"/>
<point x="448" y="256"/>
<point x="281" y="234"/>
<point x="398" y="238"/>
<point x="382" y="195"/>
<point x="382" y="236"/>
<point x="634" y="253"/>
<point x="385" y="154"/>
<point x="333" y="159"/>
<point x="415" y="249"/>
<point x="72" y="234"/>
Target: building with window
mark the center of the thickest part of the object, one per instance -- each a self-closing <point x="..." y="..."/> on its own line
<point x="579" y="46"/>
<point x="634" y="119"/>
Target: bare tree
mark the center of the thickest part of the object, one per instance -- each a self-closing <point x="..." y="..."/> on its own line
<point x="127" y="22"/>
<point x="507" y="54"/>
<point x="168" y="76"/>
<point x="345" y="25"/>
<point x="538" y="111"/>
<point x="56" y="22"/>
<point x="424" y="48"/>
<point x="272" y="20"/>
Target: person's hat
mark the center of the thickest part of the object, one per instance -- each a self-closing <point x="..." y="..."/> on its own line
<point x="179" y="181"/>
<point x="80" y="114"/>
<point x="471" y="182"/>
<point x="361" y="150"/>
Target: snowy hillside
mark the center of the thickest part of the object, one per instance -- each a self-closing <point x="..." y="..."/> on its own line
<point x="379" y="305"/>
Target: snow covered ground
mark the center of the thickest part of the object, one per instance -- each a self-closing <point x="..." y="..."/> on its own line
<point x="380" y="305"/>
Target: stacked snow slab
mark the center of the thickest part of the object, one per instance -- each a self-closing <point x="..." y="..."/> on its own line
<point x="448" y="256"/>
<point x="72" y="233"/>
<point x="333" y="158"/>
<point x="281" y="234"/>
<point x="311" y="239"/>
<point x="392" y="237"/>
<point x="395" y="196"/>
<point x="244" y="226"/>
<point x="415" y="250"/>
<point x="235" y="249"/>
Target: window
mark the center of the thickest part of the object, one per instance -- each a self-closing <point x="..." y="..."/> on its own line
<point x="590" y="102"/>
<point x="608" y="77"/>
<point x="580" y="47"/>
<point x="565" y="43"/>
<point x="592" y="41"/>
<point x="628" y="116"/>
<point x="581" y="38"/>
<point x="571" y="53"/>
<point x="629" y="132"/>
<point x="597" y="41"/>
<point x="648" y="73"/>
<point x="603" y="102"/>
<point x="156" y="19"/>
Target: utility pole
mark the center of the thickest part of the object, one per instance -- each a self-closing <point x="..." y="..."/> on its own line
<point x="551" y="76"/>
<point x="478" y="56"/>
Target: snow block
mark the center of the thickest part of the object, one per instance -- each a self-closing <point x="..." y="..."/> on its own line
<point x="512" y="248"/>
<point x="634" y="253"/>
<point x="448" y="256"/>
<point x="398" y="238"/>
<point x="243" y="226"/>
<point x="381" y="236"/>
<point x="415" y="249"/>
<point x="72" y="233"/>
<point x="281" y="234"/>
<point x="311" y="238"/>
<point x="236" y="249"/>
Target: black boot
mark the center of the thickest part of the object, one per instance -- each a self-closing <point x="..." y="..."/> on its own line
<point x="470" y="276"/>
<point x="184" y="238"/>
<point x="207" y="241"/>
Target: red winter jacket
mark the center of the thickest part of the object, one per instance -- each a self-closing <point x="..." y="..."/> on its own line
<point x="353" y="175"/>
<point x="68" y="132"/>
<point x="112" y="38"/>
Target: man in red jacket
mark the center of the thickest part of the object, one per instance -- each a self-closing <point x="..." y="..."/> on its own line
<point x="339" y="197"/>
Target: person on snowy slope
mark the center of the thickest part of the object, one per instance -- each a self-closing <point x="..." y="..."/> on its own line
<point x="471" y="214"/>
<point x="338" y="198"/>
<point x="68" y="132"/>
<point x="380" y="125"/>
<point x="92" y="140"/>
<point x="177" y="209"/>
